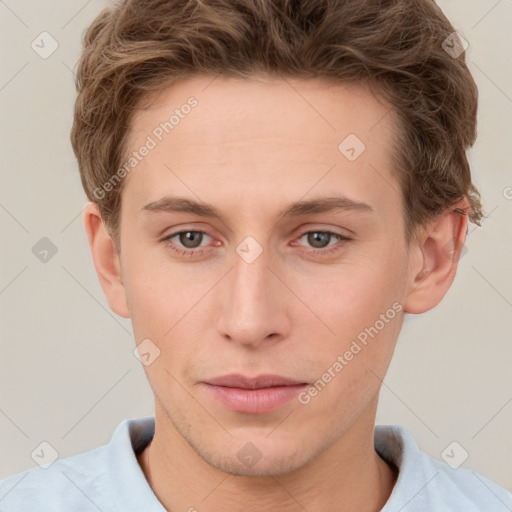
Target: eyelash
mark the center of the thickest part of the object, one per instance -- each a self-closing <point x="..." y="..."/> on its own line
<point x="198" y="252"/>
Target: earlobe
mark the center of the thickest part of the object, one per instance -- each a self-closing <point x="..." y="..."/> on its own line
<point x="106" y="260"/>
<point x="436" y="259"/>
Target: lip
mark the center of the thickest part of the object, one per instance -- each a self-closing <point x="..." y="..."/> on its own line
<point x="255" y="395"/>
<point x="236" y="380"/>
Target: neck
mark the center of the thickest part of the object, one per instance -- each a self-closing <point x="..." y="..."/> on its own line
<point x="348" y="476"/>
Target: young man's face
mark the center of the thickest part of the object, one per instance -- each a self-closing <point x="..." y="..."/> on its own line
<point x="261" y="296"/>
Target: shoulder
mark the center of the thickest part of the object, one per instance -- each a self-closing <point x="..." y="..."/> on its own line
<point x="425" y="483"/>
<point x="104" y="478"/>
<point x="71" y="483"/>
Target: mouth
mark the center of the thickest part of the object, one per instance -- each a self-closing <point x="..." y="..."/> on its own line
<point x="254" y="395"/>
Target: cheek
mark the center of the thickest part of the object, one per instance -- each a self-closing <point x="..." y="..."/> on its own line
<point x="352" y="296"/>
<point x="166" y="304"/>
<point x="363" y="312"/>
<point x="361" y="306"/>
<point x="150" y="277"/>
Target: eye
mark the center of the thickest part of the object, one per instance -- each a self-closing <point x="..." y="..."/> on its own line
<point x="190" y="241"/>
<point x="319" y="240"/>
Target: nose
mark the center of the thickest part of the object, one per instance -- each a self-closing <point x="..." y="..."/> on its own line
<point x="254" y="303"/>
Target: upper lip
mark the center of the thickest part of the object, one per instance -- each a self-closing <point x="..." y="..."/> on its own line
<point x="259" y="382"/>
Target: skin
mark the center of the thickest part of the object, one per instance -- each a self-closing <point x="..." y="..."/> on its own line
<point x="250" y="148"/>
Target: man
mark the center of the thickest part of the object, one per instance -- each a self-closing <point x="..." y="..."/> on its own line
<point x="273" y="185"/>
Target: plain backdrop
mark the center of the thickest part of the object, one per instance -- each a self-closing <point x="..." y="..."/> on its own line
<point x="68" y="375"/>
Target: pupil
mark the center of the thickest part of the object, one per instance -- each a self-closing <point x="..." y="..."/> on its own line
<point x="188" y="236"/>
<point x="316" y="237"/>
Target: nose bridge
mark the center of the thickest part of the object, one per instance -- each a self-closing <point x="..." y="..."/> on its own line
<point x="251" y="274"/>
<point x="253" y="308"/>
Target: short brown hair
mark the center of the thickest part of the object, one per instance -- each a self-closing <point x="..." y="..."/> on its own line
<point x="137" y="47"/>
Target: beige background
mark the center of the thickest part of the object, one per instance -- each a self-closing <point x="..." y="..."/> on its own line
<point x="67" y="372"/>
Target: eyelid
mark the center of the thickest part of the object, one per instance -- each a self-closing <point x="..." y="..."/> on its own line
<point x="167" y="237"/>
<point x="326" y="251"/>
<point x="303" y="229"/>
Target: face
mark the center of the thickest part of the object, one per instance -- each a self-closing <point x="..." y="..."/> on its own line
<point x="293" y="267"/>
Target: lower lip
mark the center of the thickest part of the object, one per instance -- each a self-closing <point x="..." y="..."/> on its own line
<point x="255" y="401"/>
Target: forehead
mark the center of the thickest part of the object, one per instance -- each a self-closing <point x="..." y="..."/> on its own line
<point x="276" y="138"/>
<point x="235" y="109"/>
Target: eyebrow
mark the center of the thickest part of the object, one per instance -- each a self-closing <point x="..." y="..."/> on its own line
<point x="322" y="205"/>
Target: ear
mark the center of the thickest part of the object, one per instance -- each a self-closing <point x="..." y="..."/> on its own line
<point x="435" y="257"/>
<point x="106" y="260"/>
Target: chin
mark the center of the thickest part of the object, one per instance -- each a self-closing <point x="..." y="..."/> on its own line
<point x="257" y="453"/>
<point x="270" y="464"/>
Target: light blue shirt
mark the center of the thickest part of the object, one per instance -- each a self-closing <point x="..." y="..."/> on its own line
<point x="109" y="478"/>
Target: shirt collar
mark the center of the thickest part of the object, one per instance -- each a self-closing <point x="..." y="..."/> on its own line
<point x="392" y="442"/>
<point x="397" y="446"/>
<point x="131" y="491"/>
